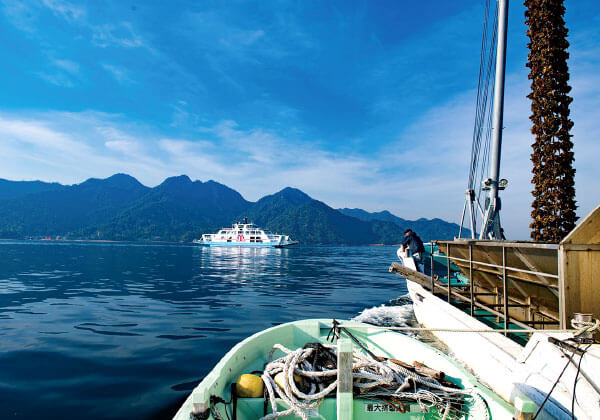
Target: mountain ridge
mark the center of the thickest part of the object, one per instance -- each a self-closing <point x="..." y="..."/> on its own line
<point x="427" y="229"/>
<point x="178" y="209"/>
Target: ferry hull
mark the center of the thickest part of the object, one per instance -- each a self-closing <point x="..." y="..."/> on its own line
<point x="245" y="235"/>
<point x="244" y="244"/>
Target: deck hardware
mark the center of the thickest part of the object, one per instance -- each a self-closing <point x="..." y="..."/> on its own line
<point x="505" y="291"/>
<point x="432" y="277"/>
<point x="448" y="265"/>
<point x="471" y="278"/>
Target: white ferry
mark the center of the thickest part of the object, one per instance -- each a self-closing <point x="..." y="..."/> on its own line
<point x="245" y="234"/>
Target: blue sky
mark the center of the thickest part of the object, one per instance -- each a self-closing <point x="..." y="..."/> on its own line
<point x="360" y="104"/>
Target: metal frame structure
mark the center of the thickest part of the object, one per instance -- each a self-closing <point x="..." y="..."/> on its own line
<point x="490" y="209"/>
<point x="500" y="302"/>
<point x="490" y="228"/>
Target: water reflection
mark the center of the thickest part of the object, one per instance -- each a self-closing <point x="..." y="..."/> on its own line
<point x="124" y="330"/>
<point x="243" y="263"/>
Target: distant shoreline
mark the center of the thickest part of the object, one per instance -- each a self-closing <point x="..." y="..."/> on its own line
<point x="108" y="241"/>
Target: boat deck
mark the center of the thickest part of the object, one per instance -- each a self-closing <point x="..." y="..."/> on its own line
<point x="252" y="354"/>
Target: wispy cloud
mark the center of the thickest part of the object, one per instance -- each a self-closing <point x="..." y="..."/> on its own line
<point x="120" y="74"/>
<point x="27" y="15"/>
<point x="69" y="146"/>
<point x="121" y="34"/>
<point x="255" y="161"/>
<point x="228" y="36"/>
<point x="60" y="72"/>
<point x="20" y="14"/>
<point x="434" y="154"/>
<point x="66" y="10"/>
<point x="117" y="140"/>
<point x="66" y="65"/>
<point x="426" y="166"/>
<point x="40" y="135"/>
<point x="56" y="79"/>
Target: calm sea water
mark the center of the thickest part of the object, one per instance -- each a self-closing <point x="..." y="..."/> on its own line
<point x="109" y="331"/>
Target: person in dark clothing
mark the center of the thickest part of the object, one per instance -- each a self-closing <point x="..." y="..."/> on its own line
<point x="415" y="246"/>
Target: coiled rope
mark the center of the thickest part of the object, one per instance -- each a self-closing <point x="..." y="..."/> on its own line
<point x="372" y="378"/>
<point x="585" y="327"/>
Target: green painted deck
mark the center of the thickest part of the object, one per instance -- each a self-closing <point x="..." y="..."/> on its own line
<point x="253" y="408"/>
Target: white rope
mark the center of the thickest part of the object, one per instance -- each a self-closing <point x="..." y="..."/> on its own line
<point x="372" y="378"/>
<point x="462" y="330"/>
<point x="584" y="327"/>
<point x="298" y="402"/>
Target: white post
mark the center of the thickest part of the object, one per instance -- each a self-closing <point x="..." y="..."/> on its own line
<point x="345" y="403"/>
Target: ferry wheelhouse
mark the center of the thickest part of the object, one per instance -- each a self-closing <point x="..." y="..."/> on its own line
<point x="245" y="234"/>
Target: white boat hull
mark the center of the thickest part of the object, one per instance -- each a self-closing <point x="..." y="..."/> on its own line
<point x="245" y="235"/>
<point x="507" y="367"/>
<point x="246" y="244"/>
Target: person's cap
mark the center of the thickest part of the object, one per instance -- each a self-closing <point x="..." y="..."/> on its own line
<point x="408" y="230"/>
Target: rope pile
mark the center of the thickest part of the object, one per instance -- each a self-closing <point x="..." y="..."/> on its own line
<point x="302" y="378"/>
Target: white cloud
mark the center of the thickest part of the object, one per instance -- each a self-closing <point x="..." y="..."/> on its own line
<point x="56" y="79"/>
<point x="120" y="74"/>
<point x="437" y="148"/>
<point x="61" y="72"/>
<point x="20" y="14"/>
<point x="27" y="18"/>
<point x="70" y="147"/>
<point x="66" y="65"/>
<point x="222" y="37"/>
<point x="256" y="162"/>
<point x="423" y="174"/>
<point x="126" y="147"/>
<point x="25" y="15"/>
<point x="38" y="134"/>
<point x="121" y="34"/>
<point x="66" y="10"/>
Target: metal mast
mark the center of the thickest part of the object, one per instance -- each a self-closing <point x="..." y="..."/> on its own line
<point x="490" y="228"/>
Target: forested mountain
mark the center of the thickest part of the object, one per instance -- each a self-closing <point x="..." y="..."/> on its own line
<point x="68" y="209"/>
<point x="14" y="189"/>
<point x="427" y="229"/>
<point x="179" y="209"/>
<point x="176" y="210"/>
<point x="316" y="222"/>
<point x="272" y="206"/>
